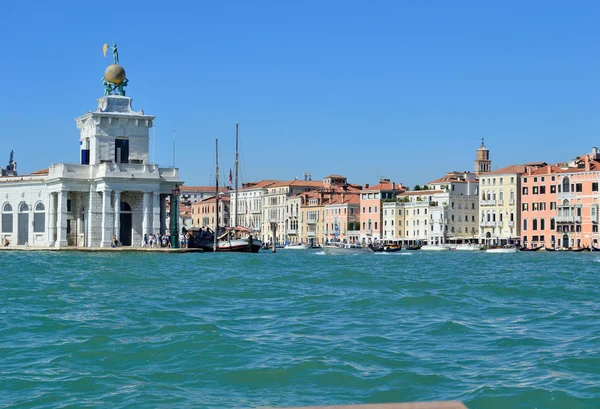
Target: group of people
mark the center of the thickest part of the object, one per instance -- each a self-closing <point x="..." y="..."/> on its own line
<point x="164" y="240"/>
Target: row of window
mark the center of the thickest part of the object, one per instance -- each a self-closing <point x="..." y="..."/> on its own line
<point x="492" y="181"/>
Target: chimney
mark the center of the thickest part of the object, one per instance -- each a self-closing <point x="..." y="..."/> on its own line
<point x="393" y="185"/>
<point x="549" y="169"/>
<point x="587" y="163"/>
<point x="366" y="185"/>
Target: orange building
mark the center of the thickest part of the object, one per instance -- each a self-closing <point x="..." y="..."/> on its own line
<point x="204" y="212"/>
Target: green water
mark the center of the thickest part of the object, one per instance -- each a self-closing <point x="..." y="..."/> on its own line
<point x="131" y="330"/>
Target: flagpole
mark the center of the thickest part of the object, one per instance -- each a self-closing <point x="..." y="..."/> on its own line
<point x="235" y="209"/>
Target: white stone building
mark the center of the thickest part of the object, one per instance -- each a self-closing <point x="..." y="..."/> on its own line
<point x="114" y="190"/>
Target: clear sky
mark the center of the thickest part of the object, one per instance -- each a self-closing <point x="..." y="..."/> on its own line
<point x="401" y="89"/>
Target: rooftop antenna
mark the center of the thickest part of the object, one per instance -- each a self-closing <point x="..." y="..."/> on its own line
<point x="173" y="147"/>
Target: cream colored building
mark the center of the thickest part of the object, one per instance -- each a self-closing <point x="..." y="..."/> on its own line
<point x="499" y="204"/>
<point x="393" y="222"/>
<point x="274" y="209"/>
<point x="249" y="202"/>
<point x="455" y="214"/>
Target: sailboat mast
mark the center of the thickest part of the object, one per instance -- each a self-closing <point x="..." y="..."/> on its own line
<point x="237" y="199"/>
<point x="216" y="242"/>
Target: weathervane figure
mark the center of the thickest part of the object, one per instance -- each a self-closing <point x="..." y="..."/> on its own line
<point x="114" y="50"/>
<point x="114" y="80"/>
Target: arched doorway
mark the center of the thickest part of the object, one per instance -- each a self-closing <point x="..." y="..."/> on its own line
<point x="565" y="241"/>
<point x="23" y="229"/>
<point x="126" y="224"/>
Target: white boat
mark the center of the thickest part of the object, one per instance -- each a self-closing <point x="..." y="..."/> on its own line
<point x="466" y="247"/>
<point x="502" y="250"/>
<point x="298" y="246"/>
<point x="345" y="248"/>
<point x="434" y="248"/>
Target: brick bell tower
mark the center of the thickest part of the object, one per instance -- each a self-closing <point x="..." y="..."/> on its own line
<point x="483" y="164"/>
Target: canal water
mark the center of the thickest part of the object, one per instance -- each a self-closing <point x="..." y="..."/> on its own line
<point x="133" y="330"/>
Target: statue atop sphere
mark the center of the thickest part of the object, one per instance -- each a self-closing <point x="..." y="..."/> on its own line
<point x="114" y="79"/>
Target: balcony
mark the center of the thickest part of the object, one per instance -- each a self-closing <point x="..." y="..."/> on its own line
<point x="511" y="224"/>
<point x="292" y="232"/>
<point x="500" y="202"/>
<point x="568" y="219"/>
<point x="311" y="234"/>
<point x="511" y="202"/>
<point x="565" y="196"/>
<point x="311" y="221"/>
<point x="369" y="232"/>
<point x="487" y="202"/>
<point x="487" y="224"/>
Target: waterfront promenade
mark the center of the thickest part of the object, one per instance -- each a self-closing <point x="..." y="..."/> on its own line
<point x="125" y="249"/>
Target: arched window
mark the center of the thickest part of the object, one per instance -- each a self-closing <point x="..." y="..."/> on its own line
<point x="535" y="224"/>
<point x="7" y="218"/>
<point x="524" y="224"/>
<point x="39" y="218"/>
<point x="542" y="224"/>
<point x="501" y="196"/>
<point x="565" y="185"/>
<point x="23" y="208"/>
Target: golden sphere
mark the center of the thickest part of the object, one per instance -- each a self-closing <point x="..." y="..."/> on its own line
<point x="114" y="74"/>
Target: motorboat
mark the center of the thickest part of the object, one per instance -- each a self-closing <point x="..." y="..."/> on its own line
<point x="466" y="247"/>
<point x="297" y="246"/>
<point x="503" y="249"/>
<point x="345" y="248"/>
<point x="434" y="248"/>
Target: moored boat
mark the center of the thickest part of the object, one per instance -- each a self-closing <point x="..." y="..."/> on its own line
<point x="344" y="248"/>
<point x="434" y="248"/>
<point x="413" y="247"/>
<point x="531" y="248"/>
<point x="505" y="249"/>
<point x="466" y="247"/>
<point x="390" y="248"/>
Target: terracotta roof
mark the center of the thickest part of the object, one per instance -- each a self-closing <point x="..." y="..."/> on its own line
<point x="548" y="169"/>
<point x="453" y="177"/>
<point x="41" y="172"/>
<point x="212" y="199"/>
<point x="348" y="198"/>
<point x="385" y="186"/>
<point x="514" y="169"/>
<point x="203" y="189"/>
<point x="257" y="185"/>
<point x="307" y="183"/>
<point x="421" y="192"/>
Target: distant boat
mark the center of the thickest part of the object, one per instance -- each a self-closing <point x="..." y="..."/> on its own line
<point x="345" y="248"/>
<point x="298" y="246"/>
<point x="505" y="249"/>
<point x="466" y="247"/>
<point x="531" y="248"/>
<point x="434" y="248"/>
<point x="390" y="248"/>
<point x="413" y="247"/>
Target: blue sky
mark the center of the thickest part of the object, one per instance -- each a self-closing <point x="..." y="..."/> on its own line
<point x="399" y="89"/>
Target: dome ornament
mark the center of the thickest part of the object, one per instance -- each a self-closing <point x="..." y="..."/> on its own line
<point x="114" y="79"/>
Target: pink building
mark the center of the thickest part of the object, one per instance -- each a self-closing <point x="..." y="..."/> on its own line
<point x="560" y="204"/>
<point x="371" y="216"/>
